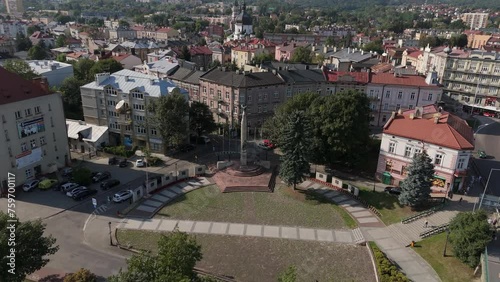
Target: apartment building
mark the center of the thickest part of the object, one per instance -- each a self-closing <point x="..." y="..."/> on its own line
<point x="446" y="138"/>
<point x="475" y="20"/>
<point x="34" y="140"/>
<point x="474" y="80"/>
<point x="120" y="101"/>
<point x="14" y="7"/>
<point x="55" y="72"/>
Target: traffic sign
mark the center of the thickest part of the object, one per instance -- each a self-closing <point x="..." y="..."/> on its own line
<point x="94" y="202"/>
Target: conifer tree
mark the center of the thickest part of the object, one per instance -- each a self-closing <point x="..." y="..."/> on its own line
<point x="416" y="188"/>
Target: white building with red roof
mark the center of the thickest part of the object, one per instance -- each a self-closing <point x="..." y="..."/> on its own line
<point x="446" y="138"/>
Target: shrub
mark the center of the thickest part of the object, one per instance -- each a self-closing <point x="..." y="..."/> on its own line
<point x="82" y="176"/>
<point x="387" y="271"/>
<point x="153" y="161"/>
<point x="119" y="151"/>
<point x="82" y="275"/>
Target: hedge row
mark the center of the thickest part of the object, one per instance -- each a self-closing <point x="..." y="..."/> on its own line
<point x="387" y="271"/>
<point x="120" y="151"/>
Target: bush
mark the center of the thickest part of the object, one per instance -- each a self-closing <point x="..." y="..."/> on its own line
<point x="387" y="271"/>
<point x="82" y="176"/>
<point x="119" y="151"/>
<point x="82" y="275"/>
<point x="153" y="161"/>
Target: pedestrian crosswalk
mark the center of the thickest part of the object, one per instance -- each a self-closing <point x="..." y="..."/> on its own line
<point x="101" y="209"/>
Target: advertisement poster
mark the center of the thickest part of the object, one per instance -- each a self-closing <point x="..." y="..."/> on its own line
<point x="30" y="127"/>
<point x="29" y="157"/>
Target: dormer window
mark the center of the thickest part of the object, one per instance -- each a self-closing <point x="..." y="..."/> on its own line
<point x="110" y="91"/>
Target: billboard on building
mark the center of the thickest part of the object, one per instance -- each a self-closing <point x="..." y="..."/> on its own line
<point x="28" y="157"/>
<point x="30" y="127"/>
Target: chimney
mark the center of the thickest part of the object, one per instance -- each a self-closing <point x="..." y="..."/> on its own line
<point x="152" y="81"/>
<point x="400" y="111"/>
<point x="362" y="52"/>
<point x="412" y="116"/>
<point x="325" y="49"/>
<point x="307" y="67"/>
<point x="436" y="119"/>
<point x="126" y="78"/>
<point x="274" y="72"/>
<point x="335" y="49"/>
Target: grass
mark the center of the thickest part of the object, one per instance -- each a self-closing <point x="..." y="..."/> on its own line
<point x="283" y="207"/>
<point x="262" y="259"/>
<point x="388" y="205"/>
<point x="448" y="268"/>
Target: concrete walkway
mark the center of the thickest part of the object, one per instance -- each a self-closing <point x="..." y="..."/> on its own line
<point x="238" y="229"/>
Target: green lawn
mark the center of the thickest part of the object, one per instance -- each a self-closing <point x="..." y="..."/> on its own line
<point x="388" y="205"/>
<point x="256" y="259"/>
<point x="448" y="268"/>
<point x="283" y="207"/>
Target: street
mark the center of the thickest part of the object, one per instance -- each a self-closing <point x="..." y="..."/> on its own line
<point x="487" y="138"/>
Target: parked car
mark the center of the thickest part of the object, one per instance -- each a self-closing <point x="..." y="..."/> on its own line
<point x="76" y="190"/>
<point x="59" y="185"/>
<point x="46" y="184"/>
<point x="123" y="163"/>
<point x="112" y="161"/>
<point x="69" y="186"/>
<point x="263" y="146"/>
<point x="109" y="184"/>
<point x="83" y="194"/>
<point x="30" y="185"/>
<point x="393" y="190"/>
<point x="122" y="196"/>
<point x="100" y="176"/>
<point x="482" y="154"/>
<point x="140" y="163"/>
<point x="186" y="147"/>
<point x="201" y="140"/>
<point x="269" y="144"/>
<point x="67" y="171"/>
<point x="488" y="114"/>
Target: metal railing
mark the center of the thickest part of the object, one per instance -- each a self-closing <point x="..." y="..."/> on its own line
<point x="440" y="229"/>
<point x="422" y="214"/>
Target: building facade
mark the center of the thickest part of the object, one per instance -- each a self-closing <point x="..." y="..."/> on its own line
<point x="475" y="20"/>
<point x="446" y="138"/>
<point x="14" y="7"/>
<point x="34" y="140"/>
<point x="120" y="102"/>
<point x="55" y="72"/>
<point x="474" y="81"/>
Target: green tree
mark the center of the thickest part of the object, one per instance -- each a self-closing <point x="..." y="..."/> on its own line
<point x="288" y="275"/>
<point x="82" y="69"/>
<point x="61" y="41"/>
<point x="374" y="46"/>
<point x="459" y="40"/>
<point x="302" y="55"/>
<point x="124" y="23"/>
<point x="106" y="65"/>
<point x="177" y="255"/>
<point x="201" y="118"/>
<point x="72" y="99"/>
<point x="22" y="42"/>
<point x="295" y="143"/>
<point x="470" y="232"/>
<point x="31" y="247"/>
<point x="61" y="58"/>
<point x="82" y="275"/>
<point x="458" y="24"/>
<point x="262" y="57"/>
<point x="82" y="176"/>
<point x="416" y="188"/>
<point x="21" y="68"/>
<point x="330" y="41"/>
<point x="432" y="41"/>
<point x="185" y="54"/>
<point x="31" y="29"/>
<point x="37" y="53"/>
<point x="170" y="117"/>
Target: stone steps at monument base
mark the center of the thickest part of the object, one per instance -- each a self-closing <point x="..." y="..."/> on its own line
<point x="230" y="189"/>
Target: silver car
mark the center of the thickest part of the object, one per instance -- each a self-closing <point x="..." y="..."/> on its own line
<point x="76" y="190"/>
<point x="30" y="185"/>
<point x="122" y="196"/>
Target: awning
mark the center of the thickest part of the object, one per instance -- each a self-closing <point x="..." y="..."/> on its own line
<point x="439" y="177"/>
<point x="387" y="174"/>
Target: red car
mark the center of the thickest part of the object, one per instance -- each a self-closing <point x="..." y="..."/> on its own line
<point x="488" y="114"/>
<point x="269" y="144"/>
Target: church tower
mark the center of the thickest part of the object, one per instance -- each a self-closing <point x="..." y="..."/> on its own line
<point x="234" y="15"/>
<point x="243" y="24"/>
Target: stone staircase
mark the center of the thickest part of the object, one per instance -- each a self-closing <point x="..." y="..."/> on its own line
<point x="405" y="233"/>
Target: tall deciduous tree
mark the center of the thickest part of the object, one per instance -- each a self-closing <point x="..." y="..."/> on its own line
<point x="416" y="188"/>
<point x="22" y="42"/>
<point x="106" y="65"/>
<point x="21" y="68"/>
<point x="177" y="255"/>
<point x="61" y="40"/>
<point x="170" y="117"/>
<point x="201" y="118"/>
<point x="72" y="99"/>
<point x="30" y="247"/>
<point x="37" y="52"/>
<point x="469" y="234"/>
<point x="302" y="55"/>
<point x="295" y="143"/>
<point x="82" y="69"/>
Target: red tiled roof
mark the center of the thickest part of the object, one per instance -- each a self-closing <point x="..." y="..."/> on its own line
<point x="75" y="55"/>
<point x="450" y="131"/>
<point x="359" y="77"/>
<point x="415" y="54"/>
<point x="200" y="50"/>
<point x="164" y="29"/>
<point x="14" y="88"/>
<point x="409" y="80"/>
<point x="121" y="57"/>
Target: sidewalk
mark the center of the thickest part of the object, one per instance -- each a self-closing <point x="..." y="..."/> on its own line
<point x="240" y="229"/>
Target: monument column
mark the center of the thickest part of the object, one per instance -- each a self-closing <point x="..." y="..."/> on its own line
<point x="244" y="132"/>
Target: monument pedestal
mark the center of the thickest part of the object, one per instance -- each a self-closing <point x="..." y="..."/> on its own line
<point x="248" y="178"/>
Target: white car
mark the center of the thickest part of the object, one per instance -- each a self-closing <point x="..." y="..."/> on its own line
<point x="68" y="187"/>
<point x="140" y="163"/>
<point x="30" y="185"/>
<point x="75" y="190"/>
<point x="122" y="196"/>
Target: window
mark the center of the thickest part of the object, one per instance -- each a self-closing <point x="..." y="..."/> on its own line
<point x="137" y="95"/>
<point x="211" y="104"/>
<point x="416" y="152"/>
<point x="128" y="128"/>
<point x="138" y="118"/>
<point x="24" y="148"/>
<point x="276" y="95"/>
<point x="249" y="99"/>
<point x="260" y="97"/>
<point x="33" y="143"/>
<point x="412" y="96"/>
<point x="407" y="151"/>
<point x="138" y="107"/>
<point x="400" y="95"/>
<point x="140" y="130"/>
<point x="18" y="115"/>
<point x="219" y="94"/>
<point x="6" y="135"/>
<point x="3" y="119"/>
<point x="155" y="147"/>
<point x="51" y="122"/>
<point x="27" y="112"/>
<point x="439" y="159"/>
<point x="398" y="106"/>
<point x="289" y="92"/>
<point x="259" y="109"/>
<point x="392" y="147"/>
<point x="460" y="163"/>
<point x="54" y="136"/>
<point x="29" y="173"/>
<point x="227" y="95"/>
<point x="37" y="109"/>
<point x="371" y="93"/>
<point x="388" y="94"/>
<point x="410" y="107"/>
<point x="101" y="101"/>
<point x="111" y="91"/>
<point x="211" y="92"/>
<point x="386" y="106"/>
<point x="205" y="89"/>
<point x="264" y="108"/>
<point x="384" y="118"/>
<point x="50" y="108"/>
<point x="265" y="96"/>
<point x="42" y="140"/>
<point x="153" y="131"/>
<point x="429" y="97"/>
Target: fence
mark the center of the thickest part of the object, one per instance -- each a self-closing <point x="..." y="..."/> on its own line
<point x="440" y="229"/>
<point x="421" y="214"/>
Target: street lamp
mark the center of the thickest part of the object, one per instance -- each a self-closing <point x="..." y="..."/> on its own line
<point x="446" y="243"/>
<point x="486" y="186"/>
